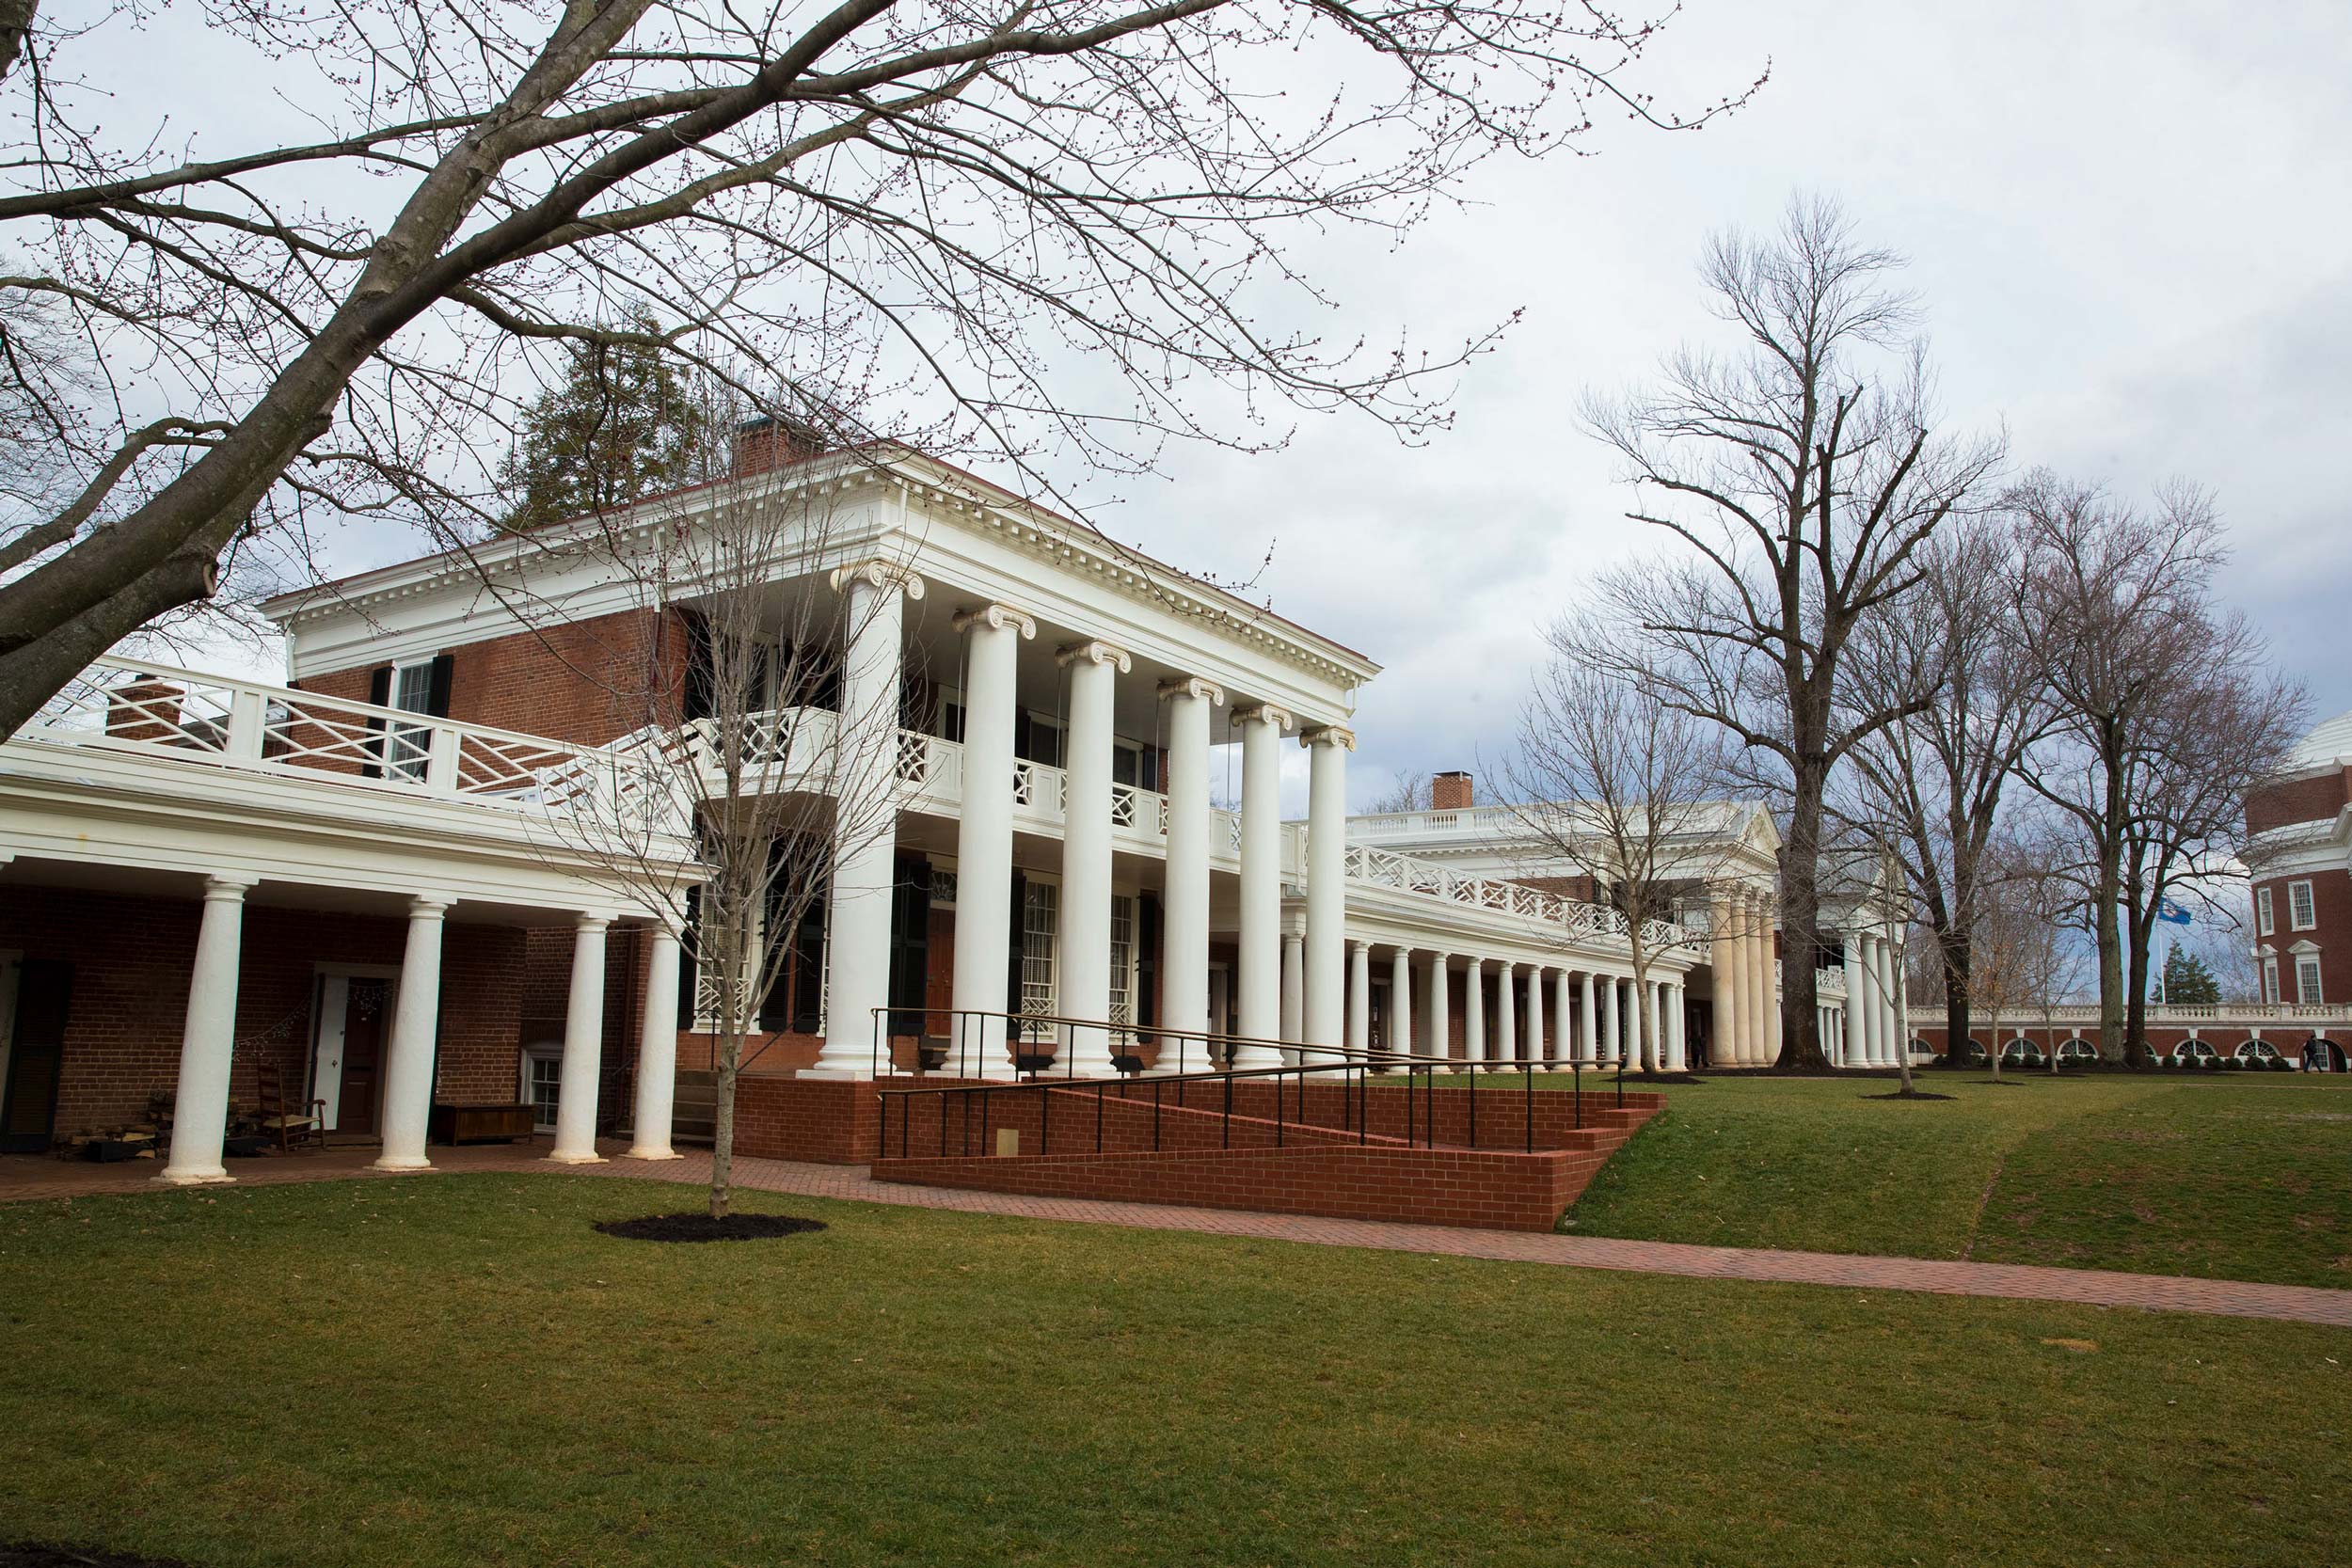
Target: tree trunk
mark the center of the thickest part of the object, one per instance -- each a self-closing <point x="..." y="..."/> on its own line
<point x="2112" y="1040"/>
<point x="1952" y="947"/>
<point x="1801" y="923"/>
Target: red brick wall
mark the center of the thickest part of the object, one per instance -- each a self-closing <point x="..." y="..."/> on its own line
<point x="584" y="681"/>
<point x="2295" y="800"/>
<point x="132" y="961"/>
<point x="2331" y="912"/>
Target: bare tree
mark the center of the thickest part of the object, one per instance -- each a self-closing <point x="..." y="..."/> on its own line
<point x="1613" y="781"/>
<point x="1935" y="778"/>
<point x="2019" y="944"/>
<point x="941" y="213"/>
<point x="1802" y="472"/>
<point x="757" y="736"/>
<point x="2139" y="664"/>
<point x="1408" y="790"/>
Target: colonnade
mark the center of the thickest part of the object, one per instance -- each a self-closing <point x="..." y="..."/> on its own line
<point x="1746" y="992"/>
<point x="1876" y="1023"/>
<point x="1311" y="1007"/>
<point x="1594" y="1019"/>
<point x="208" y="1040"/>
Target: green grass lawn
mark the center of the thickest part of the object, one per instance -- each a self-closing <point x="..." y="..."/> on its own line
<point x="456" y="1369"/>
<point x="2241" y="1177"/>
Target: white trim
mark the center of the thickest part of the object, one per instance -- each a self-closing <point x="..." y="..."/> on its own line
<point x="2308" y="917"/>
<point x="2308" y="963"/>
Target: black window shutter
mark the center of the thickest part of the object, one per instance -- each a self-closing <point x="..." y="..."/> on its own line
<point x="910" y="944"/>
<point x="437" y="690"/>
<point x="1013" y="949"/>
<point x="380" y="695"/>
<point x="695" y="700"/>
<point x="1147" y="958"/>
<point x="808" y="955"/>
<point x="689" y="965"/>
<point x="28" y="1098"/>
<point x="1021" y="749"/>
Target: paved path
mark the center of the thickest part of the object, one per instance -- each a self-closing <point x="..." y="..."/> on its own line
<point x="2086" y="1287"/>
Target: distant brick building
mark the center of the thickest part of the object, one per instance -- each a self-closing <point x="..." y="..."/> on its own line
<point x="2301" y="854"/>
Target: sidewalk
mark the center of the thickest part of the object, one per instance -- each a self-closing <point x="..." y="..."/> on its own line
<point x="30" y="1178"/>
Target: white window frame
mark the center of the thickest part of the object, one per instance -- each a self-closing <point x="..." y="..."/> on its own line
<point x="2302" y="910"/>
<point x="406" y="746"/>
<point x="1041" y="945"/>
<point x="2266" y="917"/>
<point x="2307" y="965"/>
<point x="1126" y="912"/>
<point x="2270" y="978"/>
<point x="536" y="1057"/>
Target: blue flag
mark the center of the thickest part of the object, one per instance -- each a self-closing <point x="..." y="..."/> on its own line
<point x="2168" y="912"/>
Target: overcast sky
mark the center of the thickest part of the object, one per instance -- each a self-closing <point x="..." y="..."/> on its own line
<point x="2129" y="223"/>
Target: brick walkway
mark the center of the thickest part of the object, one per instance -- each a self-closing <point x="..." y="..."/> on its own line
<point x="29" y="1177"/>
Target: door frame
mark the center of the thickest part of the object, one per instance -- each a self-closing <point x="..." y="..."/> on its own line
<point x="334" y="979"/>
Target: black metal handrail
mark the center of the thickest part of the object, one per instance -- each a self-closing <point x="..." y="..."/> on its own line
<point x="1355" y="1069"/>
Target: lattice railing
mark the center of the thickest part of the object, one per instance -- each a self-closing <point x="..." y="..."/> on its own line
<point x="155" y="710"/>
<point x="1580" y="921"/>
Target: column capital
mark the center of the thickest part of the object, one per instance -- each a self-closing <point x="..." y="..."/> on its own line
<point x="878" y="572"/>
<point x="227" y="887"/>
<point x="428" y="906"/>
<point x="1192" y="686"/>
<point x="1358" y="944"/>
<point x="1328" y="734"/>
<point x="587" y="920"/>
<point x="1094" y="651"/>
<point x="1255" y="713"/>
<point x="997" y="617"/>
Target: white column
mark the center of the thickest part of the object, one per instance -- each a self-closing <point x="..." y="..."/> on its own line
<point x="1758" y="996"/>
<point x="1770" y="965"/>
<point x="1534" y="1054"/>
<point x="583" y="1048"/>
<point x="1436" y="1037"/>
<point x="1360" y="1000"/>
<point x="866" y="817"/>
<point x="1327" y="881"/>
<point x="1588" y="1024"/>
<point x="1858" y="1044"/>
<point x="1610" y="1035"/>
<point x="1401" y="1001"/>
<point x="1677" y="1019"/>
<point x="1502" y="1050"/>
<point x="1474" y="1015"/>
<point x="1260" y="953"/>
<point x="1873" y="1017"/>
<point x="1562" y="1018"/>
<point x="1085" y="941"/>
<point x="1890" y="1024"/>
<point x="657" y="1050"/>
<point x="1723" y="943"/>
<point x="408" y="1070"/>
<point x="1293" y="988"/>
<point x="1184" y="904"/>
<point x="199" y="1114"/>
<point x="992" y="636"/>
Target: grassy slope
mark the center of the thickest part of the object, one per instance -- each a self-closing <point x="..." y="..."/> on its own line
<point x="2240" y="1179"/>
<point x="456" y="1369"/>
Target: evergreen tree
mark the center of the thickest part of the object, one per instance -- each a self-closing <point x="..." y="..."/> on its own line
<point x="623" y="425"/>
<point x="2187" y="982"/>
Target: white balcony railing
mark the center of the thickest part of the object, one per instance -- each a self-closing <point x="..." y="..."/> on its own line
<point x="162" y="712"/>
<point x="1577" y="921"/>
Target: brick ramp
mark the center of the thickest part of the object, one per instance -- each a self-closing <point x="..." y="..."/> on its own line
<point x="1125" y="1144"/>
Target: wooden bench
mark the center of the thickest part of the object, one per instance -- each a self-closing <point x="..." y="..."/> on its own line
<point x="483" y="1124"/>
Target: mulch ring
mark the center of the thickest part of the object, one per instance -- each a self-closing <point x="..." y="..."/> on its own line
<point x="694" y="1227"/>
<point x="1915" y="1094"/>
<point x="42" y="1554"/>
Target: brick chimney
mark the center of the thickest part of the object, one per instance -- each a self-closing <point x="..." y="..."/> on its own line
<point x="1449" y="792"/>
<point x="767" y="442"/>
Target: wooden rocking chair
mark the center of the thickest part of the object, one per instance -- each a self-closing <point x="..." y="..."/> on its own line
<point x="270" y="1090"/>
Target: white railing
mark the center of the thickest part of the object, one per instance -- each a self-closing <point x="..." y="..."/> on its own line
<point x="2228" y="1015"/>
<point x="157" y="710"/>
<point x="1579" y="921"/>
<point x="1480" y="820"/>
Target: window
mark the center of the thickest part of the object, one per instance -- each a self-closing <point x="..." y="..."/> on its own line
<point x="405" y="748"/>
<point x="2264" y="921"/>
<point x="2270" y="978"/>
<point x="2301" y="915"/>
<point x="2307" y="981"/>
<point x="1132" y="764"/>
<point x="1124" y="959"/>
<point x="1039" y="741"/>
<point x="942" y="887"/>
<point x="1041" y="906"/>
<point x="543" y="1084"/>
